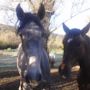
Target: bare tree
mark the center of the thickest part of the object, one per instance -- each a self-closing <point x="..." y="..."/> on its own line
<point x="77" y="7"/>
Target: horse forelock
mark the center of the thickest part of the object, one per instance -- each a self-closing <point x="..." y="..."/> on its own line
<point x="29" y="18"/>
<point x="33" y="28"/>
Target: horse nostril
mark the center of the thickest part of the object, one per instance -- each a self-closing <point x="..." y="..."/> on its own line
<point x="31" y="77"/>
<point x="27" y="78"/>
<point x="39" y="77"/>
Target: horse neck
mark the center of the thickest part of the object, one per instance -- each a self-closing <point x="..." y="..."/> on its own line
<point x="87" y="46"/>
<point x="84" y="61"/>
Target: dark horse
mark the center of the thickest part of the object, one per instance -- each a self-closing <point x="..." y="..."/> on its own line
<point x="77" y="49"/>
<point x="32" y="60"/>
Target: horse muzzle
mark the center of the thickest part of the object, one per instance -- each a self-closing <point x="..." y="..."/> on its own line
<point x="64" y="71"/>
<point x="34" y="83"/>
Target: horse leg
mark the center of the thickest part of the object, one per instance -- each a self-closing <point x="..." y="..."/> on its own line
<point x="21" y="83"/>
<point x="81" y="87"/>
<point x="81" y="84"/>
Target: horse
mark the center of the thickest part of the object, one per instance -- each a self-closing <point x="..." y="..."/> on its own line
<point x="32" y="61"/>
<point x="76" y="50"/>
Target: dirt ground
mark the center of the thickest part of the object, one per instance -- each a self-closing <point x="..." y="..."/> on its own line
<point x="12" y="82"/>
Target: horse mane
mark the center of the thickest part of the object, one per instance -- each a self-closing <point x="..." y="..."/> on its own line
<point x="30" y="18"/>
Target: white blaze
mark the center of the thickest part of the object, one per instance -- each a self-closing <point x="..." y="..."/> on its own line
<point x="32" y="60"/>
<point x="69" y="40"/>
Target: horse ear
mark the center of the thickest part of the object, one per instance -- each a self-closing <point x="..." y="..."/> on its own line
<point x="41" y="11"/>
<point x="19" y="12"/>
<point x="66" y="29"/>
<point x="85" y="29"/>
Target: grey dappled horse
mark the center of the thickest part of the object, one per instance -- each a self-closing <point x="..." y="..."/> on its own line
<point x="32" y="60"/>
<point x="77" y="49"/>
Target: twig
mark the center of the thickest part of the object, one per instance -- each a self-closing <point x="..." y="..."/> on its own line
<point x="70" y="19"/>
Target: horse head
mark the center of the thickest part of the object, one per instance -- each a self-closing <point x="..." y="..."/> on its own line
<point x="33" y="63"/>
<point x="75" y="48"/>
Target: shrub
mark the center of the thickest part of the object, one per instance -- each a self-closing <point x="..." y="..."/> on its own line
<point x="8" y="39"/>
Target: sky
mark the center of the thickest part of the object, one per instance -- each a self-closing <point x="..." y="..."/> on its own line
<point x="8" y="17"/>
<point x="62" y="13"/>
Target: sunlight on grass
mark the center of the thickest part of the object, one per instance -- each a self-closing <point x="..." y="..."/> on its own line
<point x="7" y="80"/>
<point x="8" y="38"/>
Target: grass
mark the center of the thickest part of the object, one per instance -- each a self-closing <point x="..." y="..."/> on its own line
<point x="8" y="79"/>
<point x="8" y="39"/>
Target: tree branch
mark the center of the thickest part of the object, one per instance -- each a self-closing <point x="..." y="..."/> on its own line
<point x="70" y="19"/>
